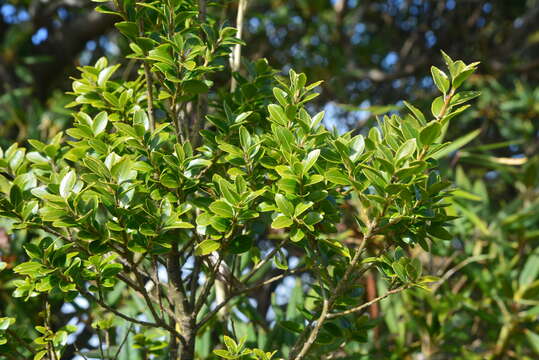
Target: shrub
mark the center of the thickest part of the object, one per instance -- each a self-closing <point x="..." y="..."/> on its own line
<point x="180" y="195"/>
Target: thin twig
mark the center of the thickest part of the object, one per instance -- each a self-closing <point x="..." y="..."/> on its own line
<point x="100" y="338"/>
<point x="78" y="352"/>
<point x="369" y="303"/>
<point x="323" y="315"/>
<point x="263" y="262"/>
<point x="244" y="291"/>
<point x="123" y="342"/>
<point x="457" y="267"/>
<point x="301" y="349"/>
<point x="127" y="317"/>
<point x="14" y="335"/>
<point x="207" y="286"/>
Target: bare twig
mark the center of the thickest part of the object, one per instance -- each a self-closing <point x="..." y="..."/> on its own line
<point x="123" y="342"/>
<point x="301" y="349"/>
<point x="244" y="291"/>
<point x="457" y="267"/>
<point x="259" y="265"/>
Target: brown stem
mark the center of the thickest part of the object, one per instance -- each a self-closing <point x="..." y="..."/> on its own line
<point x="368" y="303"/>
<point x="302" y="349"/>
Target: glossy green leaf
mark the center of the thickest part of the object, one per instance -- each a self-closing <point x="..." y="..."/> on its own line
<point x="281" y="221"/>
<point x="206" y="247"/>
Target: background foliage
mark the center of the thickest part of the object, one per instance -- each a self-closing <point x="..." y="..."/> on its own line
<point x="370" y="54"/>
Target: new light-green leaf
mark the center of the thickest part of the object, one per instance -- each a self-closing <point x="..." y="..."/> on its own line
<point x="440" y="79"/>
<point x="284" y="205"/>
<point x="277" y="114"/>
<point x="310" y="160"/>
<point x="206" y="247"/>
<point x="100" y="123"/>
<point x="281" y="221"/>
<point x="67" y="183"/>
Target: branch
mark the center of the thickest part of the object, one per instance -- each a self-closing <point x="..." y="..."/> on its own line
<point x="122" y="315"/>
<point x="263" y="262"/>
<point x="243" y="291"/>
<point x="457" y="267"/>
<point x="369" y="303"/>
<point x="305" y="347"/>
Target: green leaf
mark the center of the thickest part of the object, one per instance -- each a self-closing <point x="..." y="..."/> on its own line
<point x="204" y="219"/>
<point x="179" y="225"/>
<point x="195" y="87"/>
<point x="128" y="28"/>
<point x="67" y="184"/>
<point x="357" y="147"/>
<point x="285" y="137"/>
<point x="280" y="95"/>
<point x="111" y="270"/>
<point x="302" y="207"/>
<point x="126" y="129"/>
<point x="310" y="160"/>
<point x="530" y="270"/>
<point x="337" y="177"/>
<point x="406" y="150"/>
<point x="206" y="247"/>
<point x="240" y="244"/>
<point x="36" y="158"/>
<point x="463" y="97"/>
<point x="6" y="322"/>
<point x="15" y="196"/>
<point x="225" y="354"/>
<point x="281" y="221"/>
<point x="430" y="133"/>
<point x="100" y="123"/>
<point x="416" y="112"/>
<point x="29" y="268"/>
<point x="447" y="59"/>
<point x="439" y="232"/>
<point x="105" y="74"/>
<point x="39" y="355"/>
<point x="440" y="79"/>
<point x="277" y="114"/>
<point x="313" y="218"/>
<point x="464" y="74"/>
<point x="161" y="54"/>
<point x="293" y="326"/>
<point x="533" y="339"/>
<point x="284" y="205"/>
<point x="437" y="106"/>
<point x="245" y="138"/>
<point x="222" y="208"/>
<point x="297" y="234"/>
